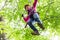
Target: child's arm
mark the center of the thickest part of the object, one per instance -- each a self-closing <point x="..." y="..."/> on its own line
<point x="25" y="18"/>
<point x="34" y="4"/>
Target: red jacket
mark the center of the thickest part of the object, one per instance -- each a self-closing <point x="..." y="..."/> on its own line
<point x="26" y="19"/>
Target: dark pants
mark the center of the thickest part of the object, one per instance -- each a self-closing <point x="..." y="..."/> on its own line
<point x="36" y="19"/>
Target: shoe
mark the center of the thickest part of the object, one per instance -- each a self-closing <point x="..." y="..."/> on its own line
<point x="35" y="33"/>
<point x="41" y="26"/>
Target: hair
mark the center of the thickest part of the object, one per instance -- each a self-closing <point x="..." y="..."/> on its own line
<point x="26" y="5"/>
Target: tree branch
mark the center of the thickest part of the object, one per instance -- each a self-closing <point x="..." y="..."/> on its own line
<point x="48" y="4"/>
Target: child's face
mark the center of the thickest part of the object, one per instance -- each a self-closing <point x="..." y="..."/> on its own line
<point x="27" y="7"/>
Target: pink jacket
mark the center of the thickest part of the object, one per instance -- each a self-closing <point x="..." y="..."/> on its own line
<point x="26" y="19"/>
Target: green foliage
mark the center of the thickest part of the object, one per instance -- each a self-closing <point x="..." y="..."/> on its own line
<point x="13" y="23"/>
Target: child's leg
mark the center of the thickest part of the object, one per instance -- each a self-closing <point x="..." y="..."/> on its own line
<point x="32" y="27"/>
<point x="40" y="24"/>
<point x="36" y="18"/>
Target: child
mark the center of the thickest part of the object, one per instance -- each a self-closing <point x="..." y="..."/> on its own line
<point x="32" y="16"/>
